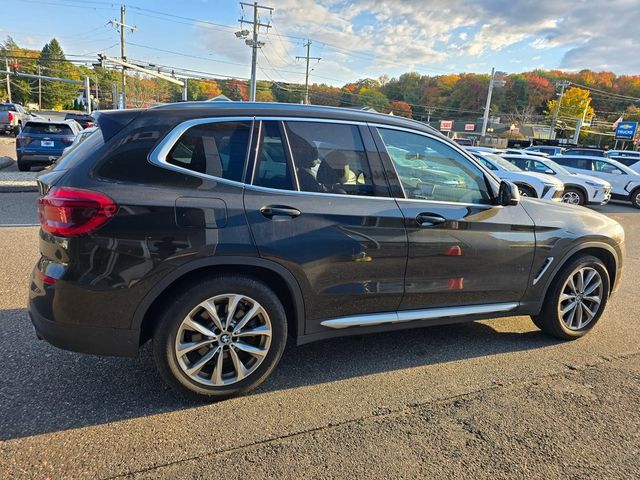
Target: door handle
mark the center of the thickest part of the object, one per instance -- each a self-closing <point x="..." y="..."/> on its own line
<point x="271" y="211"/>
<point x="429" y="219"/>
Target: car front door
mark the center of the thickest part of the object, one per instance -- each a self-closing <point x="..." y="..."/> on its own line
<point x="318" y="204"/>
<point x="612" y="174"/>
<point x="463" y="249"/>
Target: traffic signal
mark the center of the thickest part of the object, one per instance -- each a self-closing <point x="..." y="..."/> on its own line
<point x="15" y="66"/>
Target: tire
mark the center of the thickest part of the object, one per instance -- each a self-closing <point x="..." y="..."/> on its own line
<point x="571" y="327"/>
<point x="175" y="328"/>
<point x="635" y="198"/>
<point x="23" y="167"/>
<point x="573" y="196"/>
<point x="526" y="191"/>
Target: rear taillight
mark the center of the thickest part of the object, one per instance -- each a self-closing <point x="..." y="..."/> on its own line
<point x="10" y="116"/>
<point x="69" y="212"/>
<point x="89" y="125"/>
<point x="22" y="140"/>
<point x="68" y="140"/>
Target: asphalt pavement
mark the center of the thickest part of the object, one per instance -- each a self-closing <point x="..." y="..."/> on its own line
<point x="491" y="399"/>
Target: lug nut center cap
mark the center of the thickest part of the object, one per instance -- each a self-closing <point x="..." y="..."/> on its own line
<point x="225" y="339"/>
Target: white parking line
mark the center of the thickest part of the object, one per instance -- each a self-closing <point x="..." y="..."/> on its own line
<point x="9" y="225"/>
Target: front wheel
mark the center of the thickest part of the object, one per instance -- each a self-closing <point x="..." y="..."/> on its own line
<point x="526" y="191"/>
<point x="23" y="167"/>
<point x="220" y="338"/>
<point x="635" y="198"/>
<point x="573" y="196"/>
<point x="576" y="299"/>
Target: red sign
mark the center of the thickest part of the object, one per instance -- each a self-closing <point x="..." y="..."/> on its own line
<point x="469" y="127"/>
<point x="446" y="125"/>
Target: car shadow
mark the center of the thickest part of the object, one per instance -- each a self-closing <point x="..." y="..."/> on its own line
<point x="45" y="389"/>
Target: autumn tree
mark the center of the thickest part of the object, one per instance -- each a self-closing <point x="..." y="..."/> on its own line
<point x="400" y="108"/>
<point x="576" y="104"/>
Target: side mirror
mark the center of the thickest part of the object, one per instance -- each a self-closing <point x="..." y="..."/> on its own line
<point x="508" y="194"/>
<point x="617" y="172"/>
<point x="548" y="171"/>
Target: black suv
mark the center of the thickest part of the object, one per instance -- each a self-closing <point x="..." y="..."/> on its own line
<point x="218" y="230"/>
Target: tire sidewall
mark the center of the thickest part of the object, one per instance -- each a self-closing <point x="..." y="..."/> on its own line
<point x="581" y="196"/>
<point x="165" y="336"/>
<point x="633" y="197"/>
<point x="587" y="261"/>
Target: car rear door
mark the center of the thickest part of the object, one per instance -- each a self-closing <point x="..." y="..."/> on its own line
<point x="463" y="249"/>
<point x="319" y="205"/>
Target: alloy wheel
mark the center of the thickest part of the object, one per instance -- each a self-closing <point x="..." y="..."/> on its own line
<point x="571" y="197"/>
<point x="580" y="298"/>
<point x="223" y="340"/>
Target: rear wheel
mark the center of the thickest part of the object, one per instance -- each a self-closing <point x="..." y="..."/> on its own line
<point x="526" y="191"/>
<point x="220" y="338"/>
<point x="573" y="196"/>
<point x="23" y="167"/>
<point x="576" y="299"/>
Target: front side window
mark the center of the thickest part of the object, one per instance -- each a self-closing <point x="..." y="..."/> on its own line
<point x="431" y="170"/>
<point x="330" y="157"/>
<point x="605" y="167"/>
<point x="217" y="149"/>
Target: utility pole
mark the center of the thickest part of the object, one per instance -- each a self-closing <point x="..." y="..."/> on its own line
<point x="123" y="50"/>
<point x="563" y="84"/>
<point x="485" y="117"/>
<point x="6" y="63"/>
<point x="39" y="89"/>
<point x="580" y="122"/>
<point x="253" y="43"/>
<point x="306" y="78"/>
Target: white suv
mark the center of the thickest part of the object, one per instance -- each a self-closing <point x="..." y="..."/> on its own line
<point x="579" y="189"/>
<point x="537" y="185"/>
<point x="625" y="182"/>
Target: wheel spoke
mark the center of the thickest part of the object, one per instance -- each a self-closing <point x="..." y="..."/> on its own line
<point x="216" y="375"/>
<point x="578" y="317"/>
<point x="263" y="330"/>
<point x="185" y="348"/>
<point x="238" y="366"/>
<point x="593" y="287"/>
<point x="191" y="324"/>
<point x="590" y="276"/>
<point x="593" y="299"/>
<point x="250" y="349"/>
<point x="232" y="306"/>
<point x="247" y="317"/>
<point x="210" y="307"/>
<point x="572" y="285"/>
<point x="589" y="314"/>
<point x="567" y="296"/>
<point x="197" y="366"/>
<point x="572" y="313"/>
<point x="570" y="306"/>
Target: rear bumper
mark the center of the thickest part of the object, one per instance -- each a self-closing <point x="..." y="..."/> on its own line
<point x="84" y="338"/>
<point x="38" y="158"/>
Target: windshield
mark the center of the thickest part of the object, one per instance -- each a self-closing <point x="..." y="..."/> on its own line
<point x="502" y="163"/>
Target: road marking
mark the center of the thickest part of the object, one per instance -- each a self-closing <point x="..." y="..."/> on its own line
<point x="10" y="225"/>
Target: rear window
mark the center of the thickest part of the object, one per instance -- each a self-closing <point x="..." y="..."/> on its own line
<point x="7" y="108"/>
<point x="77" y="153"/>
<point x="47" y="128"/>
<point x="217" y="149"/>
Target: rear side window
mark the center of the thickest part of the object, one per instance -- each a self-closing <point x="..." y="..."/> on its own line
<point x="47" y="129"/>
<point x="272" y="167"/>
<point x="217" y="149"/>
<point x="330" y="157"/>
<point x="573" y="162"/>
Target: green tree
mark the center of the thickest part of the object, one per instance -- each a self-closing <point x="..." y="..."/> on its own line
<point x="52" y="61"/>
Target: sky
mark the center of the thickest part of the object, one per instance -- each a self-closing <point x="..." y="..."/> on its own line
<point x="355" y="39"/>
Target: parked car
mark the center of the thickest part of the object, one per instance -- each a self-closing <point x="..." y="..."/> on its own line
<point x="519" y="151"/>
<point x="12" y="117"/>
<point x="630" y="158"/>
<point x="497" y="151"/>
<point x="579" y="189"/>
<point x="203" y="226"/>
<point x="535" y="185"/>
<point x="80" y="137"/>
<point x="622" y="153"/>
<point x="625" y="182"/>
<point x="548" y="149"/>
<point x="84" y="119"/>
<point x="41" y="142"/>
<point x="589" y="152"/>
<point x="463" y="141"/>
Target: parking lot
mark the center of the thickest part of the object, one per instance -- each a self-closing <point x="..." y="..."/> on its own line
<point x="486" y="399"/>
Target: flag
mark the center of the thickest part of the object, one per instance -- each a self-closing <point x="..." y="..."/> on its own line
<point x="615" y="124"/>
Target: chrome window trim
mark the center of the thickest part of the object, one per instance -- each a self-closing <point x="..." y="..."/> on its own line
<point x="322" y="194"/>
<point x="158" y="155"/>
<point x="467" y="155"/>
<point x="309" y="119"/>
<point x="291" y="159"/>
<point x="413" y="315"/>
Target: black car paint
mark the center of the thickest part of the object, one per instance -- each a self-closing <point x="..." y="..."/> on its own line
<point x="343" y="255"/>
